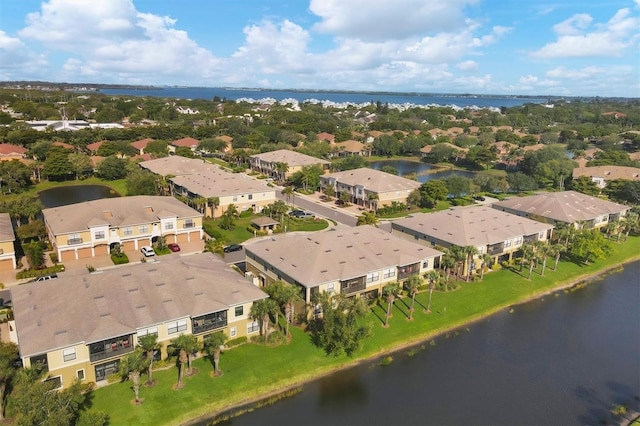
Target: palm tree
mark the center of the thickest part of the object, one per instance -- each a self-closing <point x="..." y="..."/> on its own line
<point x="565" y="232"/>
<point x="149" y="344"/>
<point x="432" y="278"/>
<point x="543" y="250"/>
<point x="413" y="283"/>
<point x="329" y="191"/>
<point x="131" y="367"/>
<point x="214" y="245"/>
<point x="35" y="255"/>
<point x="367" y="218"/>
<point x="212" y="346"/>
<point x="373" y="201"/>
<point x="527" y="252"/>
<point x="448" y="262"/>
<point x="486" y="260"/>
<point x="199" y="204"/>
<point x="213" y="203"/>
<point x="631" y="223"/>
<point x="289" y="193"/>
<point x="187" y="343"/>
<point x="469" y="252"/>
<point x="281" y="169"/>
<point x="285" y="296"/>
<point x="556" y="250"/>
<point x="390" y="292"/>
<point x="260" y="311"/>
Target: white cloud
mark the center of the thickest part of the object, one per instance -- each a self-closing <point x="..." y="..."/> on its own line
<point x="467" y="66"/>
<point x="576" y="74"/>
<point x="376" y="20"/>
<point x="16" y="56"/>
<point x="608" y="39"/>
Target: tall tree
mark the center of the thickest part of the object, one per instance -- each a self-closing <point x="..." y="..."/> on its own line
<point x="189" y="344"/>
<point x="131" y="367"/>
<point x="390" y="293"/>
<point x="285" y="295"/>
<point x="213" y="203"/>
<point x="212" y="346"/>
<point x="289" y="193"/>
<point x="149" y="344"/>
<point x="8" y="358"/>
<point x="469" y="252"/>
<point x="432" y="278"/>
<point x="261" y="310"/>
<point x="413" y="283"/>
<point x="35" y="255"/>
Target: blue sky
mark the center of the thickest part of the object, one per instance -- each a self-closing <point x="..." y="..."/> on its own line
<point x="541" y="47"/>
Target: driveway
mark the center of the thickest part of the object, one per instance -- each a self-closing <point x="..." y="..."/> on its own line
<point x="345" y="215"/>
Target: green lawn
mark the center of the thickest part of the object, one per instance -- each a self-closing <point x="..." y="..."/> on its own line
<point x="251" y="370"/>
<point x="240" y="233"/>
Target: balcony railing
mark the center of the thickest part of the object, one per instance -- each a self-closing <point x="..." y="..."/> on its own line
<point x="407" y="271"/>
<point x="110" y="348"/>
<point x="352" y="286"/>
<point x="208" y="325"/>
<point x="495" y="249"/>
<point x="530" y="238"/>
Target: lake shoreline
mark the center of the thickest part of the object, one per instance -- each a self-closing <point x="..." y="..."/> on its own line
<point x="289" y="389"/>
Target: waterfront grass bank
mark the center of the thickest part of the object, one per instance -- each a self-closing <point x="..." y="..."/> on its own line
<point x="252" y="372"/>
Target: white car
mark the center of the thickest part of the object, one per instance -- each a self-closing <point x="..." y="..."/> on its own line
<point x="147" y="251"/>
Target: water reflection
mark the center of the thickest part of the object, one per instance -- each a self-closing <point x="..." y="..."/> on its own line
<point x="424" y="171"/>
<point x="64" y="195"/>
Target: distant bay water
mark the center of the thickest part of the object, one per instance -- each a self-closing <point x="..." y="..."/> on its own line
<point x="422" y="99"/>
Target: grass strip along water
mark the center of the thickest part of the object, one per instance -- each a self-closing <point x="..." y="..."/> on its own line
<point x="253" y="372"/>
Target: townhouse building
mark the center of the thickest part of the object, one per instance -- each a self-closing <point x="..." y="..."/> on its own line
<point x="81" y="326"/>
<point x="267" y="162"/>
<point x="490" y="231"/>
<point x="7" y="243"/>
<point x="356" y="261"/>
<point x="369" y="187"/>
<point x="569" y="207"/>
<point x="92" y="228"/>
<point x="195" y="178"/>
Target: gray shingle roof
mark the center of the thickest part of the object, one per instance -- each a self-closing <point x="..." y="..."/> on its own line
<point x="339" y="254"/>
<point x="566" y="206"/>
<point x="97" y="306"/>
<point x="292" y="158"/>
<point x="471" y="226"/>
<point x="6" y="228"/>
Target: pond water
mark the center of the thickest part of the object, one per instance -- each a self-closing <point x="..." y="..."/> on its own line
<point x="63" y="195"/>
<point x="561" y="360"/>
<point x="425" y="171"/>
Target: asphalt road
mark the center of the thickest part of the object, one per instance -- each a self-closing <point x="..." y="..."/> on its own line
<point x="328" y="211"/>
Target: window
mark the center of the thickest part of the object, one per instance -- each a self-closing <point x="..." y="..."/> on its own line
<point x="69" y="354"/>
<point x="389" y="272"/>
<point x="480" y="250"/>
<point x="507" y="243"/>
<point x="177" y="326"/>
<point x="98" y="235"/>
<point x="152" y="330"/>
<point x="517" y="241"/>
<point x="425" y="264"/>
<point x="188" y="223"/>
<point x="80" y="374"/>
<point x="235" y="198"/>
<point x="168" y="225"/>
<point x="233" y="332"/>
<point x="54" y="382"/>
<point x="330" y="288"/>
<point x="127" y="231"/>
<point x="74" y="239"/>
<point x="373" y="277"/>
<point x="251" y="196"/>
<point x="239" y="311"/>
<point x="144" y="229"/>
<point x="253" y="327"/>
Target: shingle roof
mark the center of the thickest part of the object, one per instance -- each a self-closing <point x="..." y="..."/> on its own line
<point x="608" y="172"/>
<point x="566" y="206"/>
<point x="374" y="180"/>
<point x="337" y="255"/>
<point x="97" y="306"/>
<point x="471" y="226"/>
<point x="123" y="211"/>
<point x="188" y="142"/>
<point x="7" y="149"/>
<point x="205" y="179"/>
<point x="292" y="158"/>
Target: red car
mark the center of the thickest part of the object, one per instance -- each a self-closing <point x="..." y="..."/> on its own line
<point x="173" y="247"/>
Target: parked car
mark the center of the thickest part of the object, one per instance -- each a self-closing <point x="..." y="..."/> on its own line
<point x="44" y="278"/>
<point x="232" y="248"/>
<point x="147" y="251"/>
<point x="301" y="214"/>
<point x="173" y="247"/>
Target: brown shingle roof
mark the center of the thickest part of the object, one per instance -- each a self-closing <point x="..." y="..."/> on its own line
<point x="85" y="308"/>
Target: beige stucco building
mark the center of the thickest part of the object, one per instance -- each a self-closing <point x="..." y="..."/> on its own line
<point x="89" y="229"/>
<point x="7" y="243"/>
<point x="267" y="162"/>
<point x="194" y="178"/>
<point x="80" y="326"/>
<point x="369" y="187"/>
<point x="353" y="261"/>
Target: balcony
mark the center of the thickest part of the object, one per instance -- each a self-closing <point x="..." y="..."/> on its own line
<point x="110" y="348"/>
<point x="209" y="322"/>
<point x="406" y="271"/>
<point x="529" y="239"/>
<point x="353" y="285"/>
<point x="495" y="249"/>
